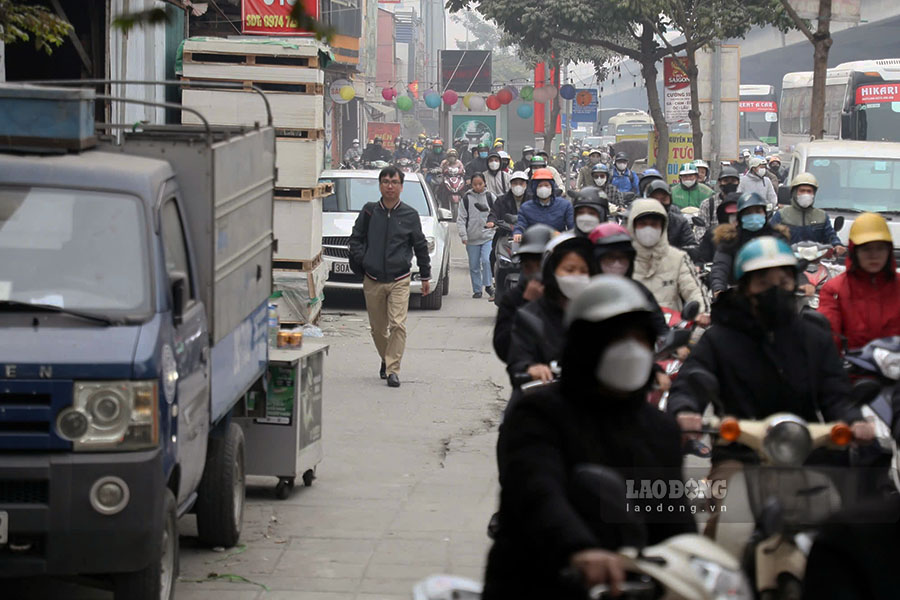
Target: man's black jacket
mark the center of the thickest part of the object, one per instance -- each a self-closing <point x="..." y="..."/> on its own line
<point x="385" y="248"/>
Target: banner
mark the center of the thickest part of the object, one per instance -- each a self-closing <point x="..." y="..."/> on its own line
<point x="681" y="151"/>
<point x="677" y="90"/>
<point x="388" y="132"/>
<point x="585" y="113"/>
<point x="474" y="128"/>
<point x="466" y="71"/>
<point x="758" y="106"/>
<point x="879" y="92"/>
<point x="273" y="17"/>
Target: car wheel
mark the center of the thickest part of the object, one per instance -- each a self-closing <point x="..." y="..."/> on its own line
<point x="435" y="299"/>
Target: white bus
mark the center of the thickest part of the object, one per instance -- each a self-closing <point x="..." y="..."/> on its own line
<point x="862" y="102"/>
<point x="759" y="116"/>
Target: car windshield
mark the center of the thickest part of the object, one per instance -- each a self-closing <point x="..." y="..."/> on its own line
<point x="75" y="249"/>
<point x="594" y="141"/>
<point x="879" y="122"/>
<point x="352" y="193"/>
<point x="864" y="184"/>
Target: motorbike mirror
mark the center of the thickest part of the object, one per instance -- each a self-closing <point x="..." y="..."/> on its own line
<point x="704" y="385"/>
<point x="771" y="518"/>
<point x="865" y="391"/>
<point x="838" y="223"/>
<point x="599" y="496"/>
<point x="698" y="221"/>
<point x="784" y="195"/>
<point x="511" y="218"/>
<point x="690" y="311"/>
<point x="675" y="338"/>
<point x="444" y="215"/>
<point x="816" y="318"/>
<point x="629" y="196"/>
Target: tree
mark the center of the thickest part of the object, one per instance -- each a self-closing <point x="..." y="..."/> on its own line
<point x="21" y="22"/>
<point x="821" y="41"/>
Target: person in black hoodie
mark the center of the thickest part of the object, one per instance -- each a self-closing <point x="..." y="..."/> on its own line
<point x="596" y="414"/>
<point x="726" y="214"/>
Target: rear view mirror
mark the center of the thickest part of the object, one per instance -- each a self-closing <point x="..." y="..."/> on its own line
<point x="784" y="195"/>
<point x="864" y="391"/>
<point x="838" y="223"/>
<point x="444" y="215"/>
<point x="698" y="221"/>
<point x="600" y="497"/>
<point x="690" y="311"/>
<point x="675" y="338"/>
<point x="178" y="283"/>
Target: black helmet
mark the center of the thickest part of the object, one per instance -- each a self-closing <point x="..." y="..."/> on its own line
<point x="595" y="198"/>
<point x="728" y="171"/>
<point x="535" y="239"/>
<point x="749" y="199"/>
<point x="656" y="185"/>
<point x="620" y="156"/>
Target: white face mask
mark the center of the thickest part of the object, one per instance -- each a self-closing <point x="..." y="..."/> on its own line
<point x="586" y="223"/>
<point x="518" y="190"/>
<point x="648" y="236"/>
<point x="689" y="183"/>
<point x="805" y="200"/>
<point x="625" y="366"/>
<point x="616" y="267"/>
<point x="600" y="181"/>
<point x="761" y="171"/>
<point x="572" y="285"/>
<point x="622" y="165"/>
<point x="544" y="192"/>
<point x="493" y="165"/>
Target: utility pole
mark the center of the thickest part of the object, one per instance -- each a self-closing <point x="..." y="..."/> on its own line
<point x="715" y="146"/>
<point x="567" y="134"/>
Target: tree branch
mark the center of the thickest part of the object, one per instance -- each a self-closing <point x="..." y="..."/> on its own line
<point x="678" y="62"/>
<point x="618" y="48"/>
<point x="800" y="23"/>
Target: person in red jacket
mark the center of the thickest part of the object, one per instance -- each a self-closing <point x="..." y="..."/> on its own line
<point x="863" y="303"/>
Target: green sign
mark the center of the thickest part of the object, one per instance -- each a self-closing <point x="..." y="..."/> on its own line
<point x="474" y="128"/>
<point x="280" y="399"/>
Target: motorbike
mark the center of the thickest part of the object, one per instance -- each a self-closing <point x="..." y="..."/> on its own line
<point x="406" y="165"/>
<point x="685" y="567"/>
<point x="506" y="264"/>
<point x="817" y="268"/>
<point x="451" y="188"/>
<point x="667" y="357"/>
<point x="352" y="164"/>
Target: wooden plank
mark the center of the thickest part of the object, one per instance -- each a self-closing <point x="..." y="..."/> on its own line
<point x="298" y="265"/>
<point x="313" y="89"/>
<point x="299" y="162"/>
<point x="218" y="58"/>
<point x="321" y="190"/>
<point x="226" y="107"/>
<point x="270" y="74"/>
<point x="300" y="47"/>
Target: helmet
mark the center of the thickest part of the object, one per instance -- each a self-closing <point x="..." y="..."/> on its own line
<point x="756" y="162"/>
<point x="773" y="158"/>
<point x="355" y="141"/>
<point x="586" y="153"/>
<point x="701" y="163"/>
<point x="595" y="151"/>
<point x="438" y="143"/>
<point x="518" y="175"/>
<point x="564" y="240"/>
<point x="452" y="152"/>
<point x="762" y="253"/>
<point x="535" y="239"/>
<point x="538" y="162"/>
<point x="542" y="153"/>
<point x="377" y="139"/>
<point x="728" y="172"/>
<point x="562" y="144"/>
<point x="493" y="154"/>
<point x="542" y="174"/>
<point x="422" y="136"/>
<point x="599" y="168"/>
<point x="503" y="154"/>
<point x="655" y="186"/>
<point x="649" y="175"/>
<point x="688" y="169"/>
<point x="527" y="149"/>
<point x="499" y="140"/>
<point x="483" y="144"/>
<point x="760" y="149"/>
<point x="606" y="297"/>
<point x="804" y="179"/>
<point x="745" y="152"/>
<point x="595" y="198"/>
<point x="606" y="234"/>
<point x="750" y="199"/>
<point x="870" y="227"/>
<point x="621" y="156"/>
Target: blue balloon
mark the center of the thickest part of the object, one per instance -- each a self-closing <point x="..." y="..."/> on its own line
<point x="567" y="91"/>
<point x="525" y="111"/>
<point x="432" y="100"/>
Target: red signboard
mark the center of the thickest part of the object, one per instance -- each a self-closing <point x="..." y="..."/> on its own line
<point x="675" y="77"/>
<point x="273" y="17"/>
<point x="869" y="94"/>
<point x="758" y="106"/>
<point x="388" y="132"/>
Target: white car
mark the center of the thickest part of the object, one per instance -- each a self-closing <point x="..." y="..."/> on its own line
<point x="352" y="190"/>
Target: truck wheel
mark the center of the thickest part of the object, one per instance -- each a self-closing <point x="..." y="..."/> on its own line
<point x="157" y="580"/>
<point x="220" y="497"/>
<point x="435" y="299"/>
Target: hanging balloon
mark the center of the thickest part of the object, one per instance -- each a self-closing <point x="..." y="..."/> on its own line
<point x="513" y="90"/>
<point x="583" y="98"/>
<point x="467" y="98"/>
<point x="540" y="95"/>
<point x="388" y="93"/>
<point x="567" y="91"/>
<point x="476" y="103"/>
<point x="404" y="103"/>
<point x="504" y="96"/>
<point x="492" y="102"/>
<point x="450" y="97"/>
<point x="348" y="93"/>
<point x="550" y="91"/>
<point x="432" y="100"/>
<point x="525" y="111"/>
<point x="527" y="93"/>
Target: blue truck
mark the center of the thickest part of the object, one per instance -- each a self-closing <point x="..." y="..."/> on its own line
<point x="135" y="273"/>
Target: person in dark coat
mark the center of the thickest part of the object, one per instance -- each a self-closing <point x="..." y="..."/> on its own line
<point x="478" y="164"/>
<point x="679" y="230"/>
<point x="726" y="214"/>
<point x="596" y="414"/>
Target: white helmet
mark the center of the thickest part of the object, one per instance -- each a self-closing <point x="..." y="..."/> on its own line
<point x="518" y="175"/>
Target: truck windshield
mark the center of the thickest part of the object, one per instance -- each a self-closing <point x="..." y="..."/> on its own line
<point x="75" y="249"/>
<point x="879" y="122"/>
<point x="633" y="128"/>
<point x="864" y="184"/>
<point x="352" y="193"/>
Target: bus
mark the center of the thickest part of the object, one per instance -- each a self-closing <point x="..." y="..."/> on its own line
<point x="633" y="125"/>
<point x="862" y="102"/>
<point x="759" y="116"/>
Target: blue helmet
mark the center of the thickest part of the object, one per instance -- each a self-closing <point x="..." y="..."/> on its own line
<point x="599" y="168"/>
<point x="761" y="253"/>
<point x="749" y="199"/>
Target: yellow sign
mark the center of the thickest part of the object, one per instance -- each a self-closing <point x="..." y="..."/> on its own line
<point x="681" y="151"/>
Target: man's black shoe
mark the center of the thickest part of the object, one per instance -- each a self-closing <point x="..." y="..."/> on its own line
<point x="383" y="371"/>
<point x="393" y="380"/>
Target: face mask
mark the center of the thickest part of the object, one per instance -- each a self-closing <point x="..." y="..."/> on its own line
<point x="689" y="183"/>
<point x="544" y="192"/>
<point x="729" y="188"/>
<point x="648" y="236"/>
<point x="761" y="171"/>
<point x="621" y="165"/>
<point x="438" y="150"/>
<point x="586" y="223"/>
<point x="618" y="267"/>
<point x="805" y="200"/>
<point x="601" y="180"/>
<point x="518" y="190"/>
<point x="482" y="154"/>
<point x="775" y="306"/>
<point x="572" y="285"/>
<point x="528" y="157"/>
<point x="493" y="165"/>
<point x="753" y="222"/>
<point x="625" y="366"/>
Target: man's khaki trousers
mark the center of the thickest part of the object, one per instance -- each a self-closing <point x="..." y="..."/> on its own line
<point x="388" y="304"/>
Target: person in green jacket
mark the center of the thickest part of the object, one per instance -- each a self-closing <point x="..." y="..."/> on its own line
<point x="689" y="191"/>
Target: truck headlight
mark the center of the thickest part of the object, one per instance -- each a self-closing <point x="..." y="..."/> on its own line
<point x="111" y="415"/>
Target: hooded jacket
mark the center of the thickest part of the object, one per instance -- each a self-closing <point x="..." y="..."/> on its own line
<point x="728" y="239"/>
<point x="664" y="270"/>
<point x="558" y="214"/>
<point x="806" y="224"/>
<point x="753" y="183"/>
<point x="679" y="230"/>
<point x="626" y="181"/>
<point x="496" y="182"/>
<point x="683" y="197"/>
<point x="471" y="222"/>
<point x="862" y="307"/>
<point x="793" y="368"/>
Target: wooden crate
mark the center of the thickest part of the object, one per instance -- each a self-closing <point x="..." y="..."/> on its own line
<point x="237" y="107"/>
<point x="302" y="294"/>
<point x="298" y="265"/>
<point x="321" y="190"/>
<point x="237" y="60"/>
<point x="315" y="89"/>
<point x="298" y="229"/>
<point x="299" y="161"/>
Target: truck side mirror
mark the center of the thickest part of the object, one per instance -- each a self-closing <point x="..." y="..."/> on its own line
<point x="838" y="223"/>
<point x="178" y="283"/>
<point x="784" y="195"/>
<point x="846" y="125"/>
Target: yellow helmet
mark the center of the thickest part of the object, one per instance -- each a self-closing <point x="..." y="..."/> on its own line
<point x="585" y="153"/>
<point x="870" y="227"/>
<point x="805" y="179"/>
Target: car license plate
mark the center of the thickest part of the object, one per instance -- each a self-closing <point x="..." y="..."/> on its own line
<point x="4" y="527"/>
<point x="341" y="268"/>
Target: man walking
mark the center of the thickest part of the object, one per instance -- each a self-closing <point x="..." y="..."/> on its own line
<point x="385" y="235"/>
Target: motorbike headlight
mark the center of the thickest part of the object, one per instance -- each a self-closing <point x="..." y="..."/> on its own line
<point x="722" y="583"/>
<point x="111" y="415"/>
<point x="430" y="241"/>
<point x="888" y="362"/>
<point x="788" y="442"/>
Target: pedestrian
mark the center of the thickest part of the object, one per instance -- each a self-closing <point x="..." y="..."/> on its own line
<point x="384" y="238"/>
<point x="471" y="222"/>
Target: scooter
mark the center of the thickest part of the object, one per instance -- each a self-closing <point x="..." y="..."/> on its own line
<point x="406" y="165"/>
<point x="507" y="265"/>
<point x="667" y="358"/>
<point x="452" y="188"/>
<point x="817" y="269"/>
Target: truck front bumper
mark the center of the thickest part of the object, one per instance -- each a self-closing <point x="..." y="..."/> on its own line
<point x="54" y="529"/>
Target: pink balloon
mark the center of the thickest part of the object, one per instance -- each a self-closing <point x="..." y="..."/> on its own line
<point x="388" y="93"/>
<point x="450" y="97"/>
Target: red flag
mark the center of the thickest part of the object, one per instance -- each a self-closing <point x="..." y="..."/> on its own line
<point x="539" y="106"/>
<point x="414" y="88"/>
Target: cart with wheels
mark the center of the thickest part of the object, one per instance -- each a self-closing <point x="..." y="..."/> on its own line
<point x="283" y="438"/>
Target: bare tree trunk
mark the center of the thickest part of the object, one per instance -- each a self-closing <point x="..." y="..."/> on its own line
<point x="821" y="45"/>
<point x="694" y="114"/>
<point x="550" y="125"/>
<point x="649" y="73"/>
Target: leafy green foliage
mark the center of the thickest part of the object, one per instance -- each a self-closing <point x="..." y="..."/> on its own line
<point x="128" y="21"/>
<point x="23" y="22"/>
<point x="306" y="22"/>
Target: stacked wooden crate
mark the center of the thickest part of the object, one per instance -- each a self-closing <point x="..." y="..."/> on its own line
<point x="289" y="73"/>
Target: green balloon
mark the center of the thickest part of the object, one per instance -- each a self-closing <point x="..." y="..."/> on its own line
<point x="527" y="93"/>
<point x="404" y="103"/>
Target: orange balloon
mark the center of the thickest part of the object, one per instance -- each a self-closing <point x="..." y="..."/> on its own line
<point x="583" y="98"/>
